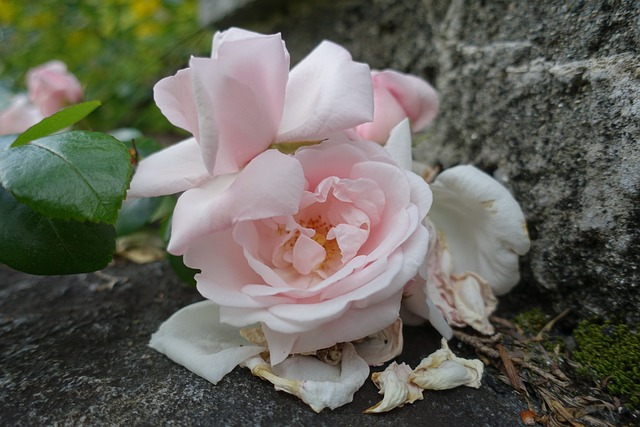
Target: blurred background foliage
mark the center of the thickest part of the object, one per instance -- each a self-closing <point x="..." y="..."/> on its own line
<point x="118" y="50"/>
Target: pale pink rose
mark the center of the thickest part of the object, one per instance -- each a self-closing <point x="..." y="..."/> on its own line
<point x="51" y="87"/>
<point x="241" y="101"/>
<point x="19" y="116"/>
<point x="316" y="247"/>
<point x="244" y="99"/>
<point x="398" y="96"/>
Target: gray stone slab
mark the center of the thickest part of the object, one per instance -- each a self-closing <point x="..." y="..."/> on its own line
<point x="73" y="351"/>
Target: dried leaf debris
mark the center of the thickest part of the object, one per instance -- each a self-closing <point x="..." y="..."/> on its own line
<point x="537" y="370"/>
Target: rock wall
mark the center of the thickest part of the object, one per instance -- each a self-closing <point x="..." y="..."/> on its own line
<point x="544" y="95"/>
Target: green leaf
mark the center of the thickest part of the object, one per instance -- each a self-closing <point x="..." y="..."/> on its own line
<point x="136" y="213"/>
<point x="36" y="244"/>
<point x="58" y="121"/>
<point x="74" y="175"/>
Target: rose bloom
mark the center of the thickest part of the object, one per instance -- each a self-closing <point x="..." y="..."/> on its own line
<point x="330" y="270"/>
<point x="51" y="87"/>
<point x="316" y="246"/>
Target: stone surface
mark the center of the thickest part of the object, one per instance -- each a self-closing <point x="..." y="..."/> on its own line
<point x="73" y="351"/>
<point x="544" y="95"/>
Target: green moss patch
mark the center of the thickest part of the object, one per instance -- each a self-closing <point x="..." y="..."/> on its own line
<point x="610" y="353"/>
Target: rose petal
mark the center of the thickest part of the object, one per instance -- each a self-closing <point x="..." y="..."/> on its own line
<point x="418" y="307"/>
<point x="394" y="384"/>
<point x="382" y="346"/>
<point x="483" y="225"/>
<point x="399" y="145"/>
<point x="417" y="97"/>
<point x="249" y="196"/>
<point x="474" y="301"/>
<point x="245" y="89"/>
<point x="327" y="92"/>
<point x="172" y="170"/>
<point x="387" y="114"/>
<point x="349" y="327"/>
<point x="318" y="384"/>
<point x="174" y="96"/>
<point x="194" y="338"/>
<point x="443" y="370"/>
<point x="307" y="255"/>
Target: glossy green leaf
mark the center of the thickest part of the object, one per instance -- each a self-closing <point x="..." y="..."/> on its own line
<point x="56" y="122"/>
<point x="135" y="214"/>
<point x="36" y="244"/>
<point x="73" y="175"/>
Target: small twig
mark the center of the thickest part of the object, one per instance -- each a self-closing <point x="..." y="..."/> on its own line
<point x="502" y="321"/>
<point x="476" y="343"/>
<point x="540" y="372"/>
<point x="549" y="326"/>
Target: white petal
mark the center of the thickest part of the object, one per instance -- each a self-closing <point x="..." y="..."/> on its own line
<point x="382" y="346"/>
<point x="194" y="338"/>
<point x="399" y="144"/>
<point x="394" y="383"/>
<point x="318" y="384"/>
<point x="484" y="226"/>
<point x="443" y="370"/>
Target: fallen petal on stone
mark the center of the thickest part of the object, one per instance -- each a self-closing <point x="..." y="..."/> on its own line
<point x="194" y="338"/>
<point x="318" y="384"/>
<point x="394" y="384"/>
<point x="443" y="370"/>
<point x="382" y="346"/>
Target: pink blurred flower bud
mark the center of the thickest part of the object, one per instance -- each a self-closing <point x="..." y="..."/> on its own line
<point x="19" y="116"/>
<point x="51" y="87"/>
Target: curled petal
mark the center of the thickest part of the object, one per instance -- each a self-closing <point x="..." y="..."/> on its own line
<point x="194" y="338"/>
<point x="394" y="383"/>
<point x="174" y="96"/>
<point x="382" y="346"/>
<point x="175" y="169"/>
<point x="483" y="224"/>
<point x="443" y="370"/>
<point x="474" y="301"/>
<point x="318" y="384"/>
